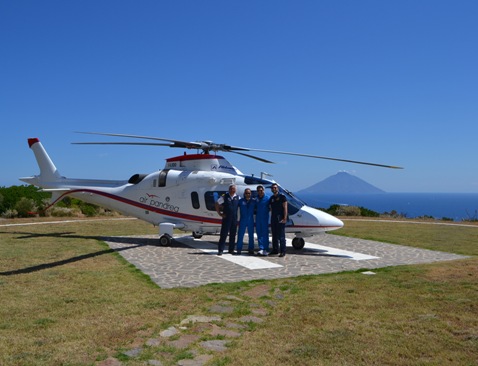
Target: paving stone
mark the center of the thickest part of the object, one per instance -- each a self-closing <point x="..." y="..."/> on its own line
<point x="221" y="309"/>
<point x="110" y="361"/>
<point x="135" y="352"/>
<point x="218" y="331"/>
<point x="171" y="331"/>
<point x="184" y="341"/>
<point x="153" y="342"/>
<point x="196" y="361"/>
<point x="262" y="312"/>
<point x="155" y="363"/>
<point x="200" y="319"/>
<point x="214" y="345"/>
<point x="249" y="318"/>
<point x="235" y="326"/>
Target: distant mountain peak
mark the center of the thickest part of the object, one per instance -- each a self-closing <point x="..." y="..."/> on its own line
<point x="342" y="183"/>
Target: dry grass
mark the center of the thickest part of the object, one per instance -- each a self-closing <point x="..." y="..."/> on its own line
<point x="66" y="299"/>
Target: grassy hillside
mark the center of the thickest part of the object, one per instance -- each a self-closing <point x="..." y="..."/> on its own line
<point x="67" y="299"/>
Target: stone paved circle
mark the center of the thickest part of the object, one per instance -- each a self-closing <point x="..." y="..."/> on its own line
<point x="190" y="262"/>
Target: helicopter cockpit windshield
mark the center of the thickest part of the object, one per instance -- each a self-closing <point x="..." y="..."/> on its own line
<point x="295" y="204"/>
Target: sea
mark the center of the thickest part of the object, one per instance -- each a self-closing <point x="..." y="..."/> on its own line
<point x="453" y="206"/>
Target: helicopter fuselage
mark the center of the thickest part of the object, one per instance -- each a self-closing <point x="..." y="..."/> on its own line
<point x="181" y="196"/>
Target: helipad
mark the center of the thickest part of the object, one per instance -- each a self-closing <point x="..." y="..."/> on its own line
<point x="190" y="262"/>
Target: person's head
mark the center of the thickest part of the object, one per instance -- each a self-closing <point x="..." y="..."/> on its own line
<point x="232" y="189"/>
<point x="275" y="189"/>
<point x="247" y="194"/>
<point x="260" y="191"/>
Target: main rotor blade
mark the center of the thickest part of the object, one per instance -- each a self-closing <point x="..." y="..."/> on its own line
<point x="207" y="146"/>
<point x="176" y="143"/>
<point x="123" y="143"/>
<point x="326" y="158"/>
<point x="253" y="157"/>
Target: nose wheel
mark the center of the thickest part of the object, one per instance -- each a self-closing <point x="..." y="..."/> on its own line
<point x="298" y="243"/>
<point x="197" y="235"/>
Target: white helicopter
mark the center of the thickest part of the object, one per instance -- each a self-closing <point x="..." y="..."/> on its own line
<point x="183" y="194"/>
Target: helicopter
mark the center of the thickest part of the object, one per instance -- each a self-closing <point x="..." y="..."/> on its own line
<point x="182" y="195"/>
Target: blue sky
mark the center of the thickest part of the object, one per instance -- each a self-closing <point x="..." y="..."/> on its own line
<point x="392" y="82"/>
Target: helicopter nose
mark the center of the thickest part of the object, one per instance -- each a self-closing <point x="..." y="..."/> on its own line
<point x="322" y="219"/>
<point x="330" y="221"/>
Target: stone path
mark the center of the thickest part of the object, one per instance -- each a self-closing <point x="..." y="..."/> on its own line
<point x="197" y="339"/>
<point x="192" y="262"/>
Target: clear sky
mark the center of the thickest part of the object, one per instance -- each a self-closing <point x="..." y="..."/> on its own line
<point x="392" y="82"/>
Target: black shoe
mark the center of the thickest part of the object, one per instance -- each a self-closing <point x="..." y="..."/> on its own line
<point x="219" y="253"/>
<point x="238" y="252"/>
<point x="250" y="252"/>
<point x="282" y="255"/>
<point x="274" y="252"/>
<point x="231" y="252"/>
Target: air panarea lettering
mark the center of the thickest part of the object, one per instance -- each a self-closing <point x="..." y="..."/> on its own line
<point x="172" y="165"/>
<point x="218" y="167"/>
<point x="153" y="200"/>
<point x="163" y="205"/>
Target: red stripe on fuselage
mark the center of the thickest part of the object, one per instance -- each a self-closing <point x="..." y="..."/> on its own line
<point x="167" y="212"/>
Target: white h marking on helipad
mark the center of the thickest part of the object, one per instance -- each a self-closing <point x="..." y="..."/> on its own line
<point x="247" y="261"/>
<point x="253" y="262"/>
<point x="337" y="252"/>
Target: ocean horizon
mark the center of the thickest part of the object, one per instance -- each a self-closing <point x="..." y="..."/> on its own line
<point x="455" y="206"/>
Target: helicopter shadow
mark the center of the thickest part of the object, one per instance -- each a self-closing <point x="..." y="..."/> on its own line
<point x="312" y="252"/>
<point x="134" y="241"/>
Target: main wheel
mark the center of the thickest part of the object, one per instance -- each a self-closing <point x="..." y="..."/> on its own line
<point x="298" y="243"/>
<point x="165" y="240"/>
<point x="197" y="235"/>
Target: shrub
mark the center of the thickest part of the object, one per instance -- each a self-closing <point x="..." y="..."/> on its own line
<point x="26" y="207"/>
<point x="10" y="214"/>
<point x="89" y="210"/>
<point x="64" y="212"/>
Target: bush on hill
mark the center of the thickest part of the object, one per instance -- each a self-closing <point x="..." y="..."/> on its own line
<point x="27" y="201"/>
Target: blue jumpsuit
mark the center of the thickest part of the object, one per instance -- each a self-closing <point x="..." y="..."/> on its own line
<point x="229" y="222"/>
<point x="246" y="221"/>
<point x="262" y="223"/>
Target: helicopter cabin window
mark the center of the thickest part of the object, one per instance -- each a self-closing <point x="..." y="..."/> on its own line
<point x="195" y="200"/>
<point x="162" y="178"/>
<point x="211" y="197"/>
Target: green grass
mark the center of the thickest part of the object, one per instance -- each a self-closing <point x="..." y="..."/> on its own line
<point x="66" y="299"/>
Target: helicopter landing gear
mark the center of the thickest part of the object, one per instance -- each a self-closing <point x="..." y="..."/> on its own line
<point x="197" y="235"/>
<point x="298" y="243"/>
<point x="165" y="240"/>
<point x="166" y="234"/>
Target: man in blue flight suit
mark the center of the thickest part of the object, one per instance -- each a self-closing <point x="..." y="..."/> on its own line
<point x="262" y="221"/>
<point x="247" y="206"/>
<point x="278" y="205"/>
<point x="226" y="207"/>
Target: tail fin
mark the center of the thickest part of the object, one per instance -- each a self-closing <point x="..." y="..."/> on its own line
<point x="48" y="170"/>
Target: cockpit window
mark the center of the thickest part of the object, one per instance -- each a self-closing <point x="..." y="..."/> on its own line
<point x="294" y="203"/>
<point x="162" y="177"/>
<point x="211" y="197"/>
